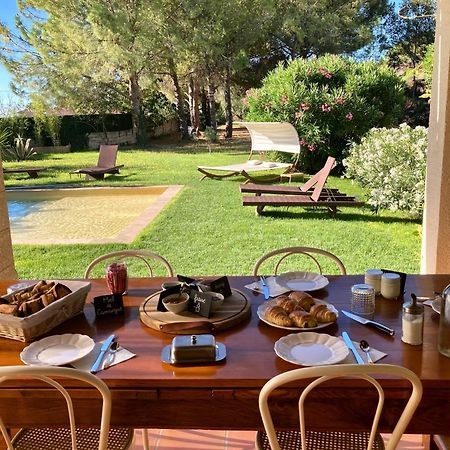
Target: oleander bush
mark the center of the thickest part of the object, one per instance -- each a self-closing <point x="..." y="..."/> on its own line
<point x="391" y="164"/>
<point x="330" y="100"/>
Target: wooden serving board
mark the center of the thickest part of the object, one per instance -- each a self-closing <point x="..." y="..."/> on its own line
<point x="234" y="310"/>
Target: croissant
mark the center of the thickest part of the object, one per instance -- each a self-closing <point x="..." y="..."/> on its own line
<point x="322" y="313"/>
<point x="288" y="304"/>
<point x="278" y="316"/>
<point x="304" y="300"/>
<point x="302" y="319"/>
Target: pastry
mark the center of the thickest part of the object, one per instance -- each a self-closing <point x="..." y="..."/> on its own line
<point x="322" y="314"/>
<point x="304" y="300"/>
<point x="288" y="304"/>
<point x="8" y="309"/>
<point x="302" y="319"/>
<point x="278" y="316"/>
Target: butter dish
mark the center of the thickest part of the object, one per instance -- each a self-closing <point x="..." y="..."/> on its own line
<point x="193" y="349"/>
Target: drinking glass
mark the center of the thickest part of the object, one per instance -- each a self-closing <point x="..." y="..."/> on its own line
<point x="363" y="300"/>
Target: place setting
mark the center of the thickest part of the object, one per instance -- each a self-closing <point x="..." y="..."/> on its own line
<point x="274" y="286"/>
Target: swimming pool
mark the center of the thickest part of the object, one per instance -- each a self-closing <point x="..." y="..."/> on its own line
<point x="84" y="215"/>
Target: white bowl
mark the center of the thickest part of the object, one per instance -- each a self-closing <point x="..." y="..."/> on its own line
<point x="171" y="284"/>
<point x="176" y="303"/>
<point x="216" y="301"/>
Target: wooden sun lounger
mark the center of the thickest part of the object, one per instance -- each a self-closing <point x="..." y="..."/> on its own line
<point x="33" y="172"/>
<point x="106" y="164"/>
<point x="300" y="195"/>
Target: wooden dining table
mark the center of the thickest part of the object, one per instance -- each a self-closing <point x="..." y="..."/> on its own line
<point x="149" y="393"/>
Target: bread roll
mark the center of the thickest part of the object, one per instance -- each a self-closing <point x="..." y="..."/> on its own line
<point x="304" y="300"/>
<point x="8" y="309"/>
<point x="278" y="316"/>
<point x="302" y="319"/>
<point x="322" y="314"/>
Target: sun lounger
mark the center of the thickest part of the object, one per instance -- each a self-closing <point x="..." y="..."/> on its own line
<point x="300" y="195"/>
<point x="33" y="172"/>
<point x="106" y="164"/>
<point x="265" y="136"/>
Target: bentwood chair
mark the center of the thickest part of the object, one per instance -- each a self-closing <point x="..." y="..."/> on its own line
<point x="143" y="255"/>
<point x="72" y="438"/>
<point x="303" y="440"/>
<point x="310" y="252"/>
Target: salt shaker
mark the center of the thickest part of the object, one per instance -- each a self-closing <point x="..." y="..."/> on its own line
<point x="412" y="322"/>
<point x="373" y="278"/>
<point x="390" y="285"/>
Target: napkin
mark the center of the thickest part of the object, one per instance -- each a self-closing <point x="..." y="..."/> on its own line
<point x="274" y="288"/>
<point x="374" y="353"/>
<point x="86" y="363"/>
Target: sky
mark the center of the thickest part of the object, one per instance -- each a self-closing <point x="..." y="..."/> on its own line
<point x="8" y="9"/>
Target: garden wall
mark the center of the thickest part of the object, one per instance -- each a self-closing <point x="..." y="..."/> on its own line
<point x="53" y="149"/>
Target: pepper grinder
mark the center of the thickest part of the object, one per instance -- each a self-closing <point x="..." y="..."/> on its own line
<point x="412" y="322"/>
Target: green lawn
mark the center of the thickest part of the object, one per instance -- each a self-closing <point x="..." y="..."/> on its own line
<point x="206" y="230"/>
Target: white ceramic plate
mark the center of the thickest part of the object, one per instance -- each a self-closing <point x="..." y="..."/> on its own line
<point x="302" y="281"/>
<point x="261" y="309"/>
<point x="57" y="350"/>
<point x="436" y="305"/>
<point x="311" y="349"/>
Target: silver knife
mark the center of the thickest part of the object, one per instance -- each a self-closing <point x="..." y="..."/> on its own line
<point x="265" y="288"/>
<point x="372" y="323"/>
<point x="105" y="347"/>
<point x="350" y="346"/>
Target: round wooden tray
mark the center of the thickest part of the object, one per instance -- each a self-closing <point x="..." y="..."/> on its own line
<point x="234" y="310"/>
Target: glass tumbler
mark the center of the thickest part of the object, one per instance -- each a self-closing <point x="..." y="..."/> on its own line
<point x="363" y="300"/>
<point x="117" y="278"/>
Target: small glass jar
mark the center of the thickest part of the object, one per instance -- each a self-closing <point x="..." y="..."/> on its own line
<point x="363" y="300"/>
<point x="412" y="322"/>
<point x="390" y="285"/>
<point x="117" y="278"/>
<point x="373" y="278"/>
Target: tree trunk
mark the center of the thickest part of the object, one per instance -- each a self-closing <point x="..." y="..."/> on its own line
<point x="228" y="109"/>
<point x="212" y="104"/>
<point x="194" y="103"/>
<point x="205" y="108"/>
<point x="179" y="100"/>
<point x="137" y="114"/>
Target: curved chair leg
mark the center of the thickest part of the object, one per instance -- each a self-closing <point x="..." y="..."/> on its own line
<point x="145" y="439"/>
<point x="214" y="176"/>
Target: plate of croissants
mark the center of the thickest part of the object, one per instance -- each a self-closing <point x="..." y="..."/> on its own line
<point x="297" y="311"/>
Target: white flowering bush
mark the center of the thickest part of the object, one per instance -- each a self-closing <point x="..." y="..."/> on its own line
<point x="391" y="164"/>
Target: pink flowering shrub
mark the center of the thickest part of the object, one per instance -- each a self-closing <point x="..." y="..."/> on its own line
<point x="332" y="101"/>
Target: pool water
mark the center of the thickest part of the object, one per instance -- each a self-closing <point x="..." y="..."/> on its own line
<point x="90" y="215"/>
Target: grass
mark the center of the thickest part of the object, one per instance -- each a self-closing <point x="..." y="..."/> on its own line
<point x="205" y="230"/>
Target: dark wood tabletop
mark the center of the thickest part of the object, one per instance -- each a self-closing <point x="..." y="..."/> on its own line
<point x="147" y="392"/>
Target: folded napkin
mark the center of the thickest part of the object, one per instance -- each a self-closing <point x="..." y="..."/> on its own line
<point x="374" y="353"/>
<point x="86" y="363"/>
<point x="274" y="288"/>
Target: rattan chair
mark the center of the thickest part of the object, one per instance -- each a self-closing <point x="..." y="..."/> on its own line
<point x="73" y="438"/>
<point x="308" y="251"/>
<point x="143" y="255"/>
<point x="303" y="440"/>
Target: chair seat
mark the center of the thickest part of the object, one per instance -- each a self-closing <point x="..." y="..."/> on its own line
<point x="290" y="440"/>
<point x="59" y="439"/>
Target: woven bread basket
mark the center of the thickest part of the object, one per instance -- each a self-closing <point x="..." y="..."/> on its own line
<point x="29" y="328"/>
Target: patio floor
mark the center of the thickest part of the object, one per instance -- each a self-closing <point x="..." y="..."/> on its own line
<point x="226" y="440"/>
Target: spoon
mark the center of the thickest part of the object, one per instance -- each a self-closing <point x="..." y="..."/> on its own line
<point x="365" y="347"/>
<point x="112" y="352"/>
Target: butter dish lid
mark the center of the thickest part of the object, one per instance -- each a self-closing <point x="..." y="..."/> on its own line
<point x="195" y="340"/>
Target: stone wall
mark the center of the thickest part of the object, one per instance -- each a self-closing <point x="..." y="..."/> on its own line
<point x="53" y="149"/>
<point x="7" y="269"/>
<point x="125" y="137"/>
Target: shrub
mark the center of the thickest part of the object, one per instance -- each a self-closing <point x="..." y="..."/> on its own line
<point x="330" y="100"/>
<point x="391" y="164"/>
<point x="20" y="151"/>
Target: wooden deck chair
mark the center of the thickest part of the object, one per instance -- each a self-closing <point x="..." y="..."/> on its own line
<point x="106" y="163"/>
<point x="300" y="195"/>
<point x="265" y="136"/>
